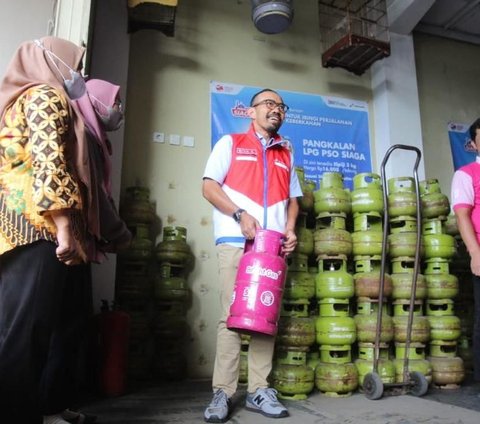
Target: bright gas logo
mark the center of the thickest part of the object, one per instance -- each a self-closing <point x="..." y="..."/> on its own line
<point x="262" y="272"/>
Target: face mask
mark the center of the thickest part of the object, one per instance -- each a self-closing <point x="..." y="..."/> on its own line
<point x="113" y="120"/>
<point x="75" y="86"/>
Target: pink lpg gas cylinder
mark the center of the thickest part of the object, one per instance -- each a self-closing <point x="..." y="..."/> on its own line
<point x="258" y="290"/>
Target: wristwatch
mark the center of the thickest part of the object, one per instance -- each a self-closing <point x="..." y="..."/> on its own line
<point x="237" y="215"/>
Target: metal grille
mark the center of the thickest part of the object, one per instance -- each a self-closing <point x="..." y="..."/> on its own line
<point x="152" y="16"/>
<point x="354" y="33"/>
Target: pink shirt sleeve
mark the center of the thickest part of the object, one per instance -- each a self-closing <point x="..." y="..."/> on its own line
<point x="462" y="190"/>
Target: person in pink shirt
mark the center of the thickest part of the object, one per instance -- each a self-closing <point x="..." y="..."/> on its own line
<point x="466" y="205"/>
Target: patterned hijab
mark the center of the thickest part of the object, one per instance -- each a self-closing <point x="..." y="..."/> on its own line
<point x="31" y="66"/>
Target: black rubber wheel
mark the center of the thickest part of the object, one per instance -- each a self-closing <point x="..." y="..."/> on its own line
<point x="419" y="384"/>
<point x="372" y="386"/>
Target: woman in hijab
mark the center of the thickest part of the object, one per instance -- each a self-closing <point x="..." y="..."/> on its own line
<point x="102" y="111"/>
<point x="49" y="210"/>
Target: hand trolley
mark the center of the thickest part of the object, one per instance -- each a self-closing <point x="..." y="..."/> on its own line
<point x="413" y="382"/>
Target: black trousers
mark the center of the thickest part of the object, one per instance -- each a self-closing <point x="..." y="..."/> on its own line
<point x="476" y="329"/>
<point x="43" y="312"/>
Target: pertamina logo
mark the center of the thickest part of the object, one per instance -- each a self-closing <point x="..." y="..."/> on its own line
<point x="267" y="298"/>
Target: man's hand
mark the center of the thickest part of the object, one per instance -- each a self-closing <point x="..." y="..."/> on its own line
<point x="249" y="225"/>
<point x="289" y="243"/>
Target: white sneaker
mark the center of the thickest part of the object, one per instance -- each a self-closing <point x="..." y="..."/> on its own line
<point x="219" y="408"/>
<point x="265" y="401"/>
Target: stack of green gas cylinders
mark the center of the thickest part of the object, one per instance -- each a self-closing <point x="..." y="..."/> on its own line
<point x="442" y="288"/>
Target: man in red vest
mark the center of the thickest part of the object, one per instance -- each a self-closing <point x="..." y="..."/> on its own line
<point x="251" y="181"/>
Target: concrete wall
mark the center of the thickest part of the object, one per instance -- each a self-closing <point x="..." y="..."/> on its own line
<point x="448" y="81"/>
<point x="21" y="21"/>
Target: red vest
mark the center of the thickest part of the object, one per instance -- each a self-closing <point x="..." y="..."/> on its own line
<point x="262" y="174"/>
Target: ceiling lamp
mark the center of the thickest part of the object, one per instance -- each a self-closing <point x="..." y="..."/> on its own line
<point x="272" y="16"/>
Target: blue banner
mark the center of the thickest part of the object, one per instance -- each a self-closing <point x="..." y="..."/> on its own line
<point x="463" y="151"/>
<point x="328" y="134"/>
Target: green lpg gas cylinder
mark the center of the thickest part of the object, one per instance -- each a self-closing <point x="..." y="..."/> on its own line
<point x="296" y="331"/>
<point x="401" y="307"/>
<point x="136" y="207"/>
<point x="420" y="331"/>
<point x="293" y="382"/>
<point x="443" y="348"/>
<point x="331" y="196"/>
<point x="439" y="307"/>
<point x="439" y="246"/>
<point x="174" y="248"/>
<point x="332" y="242"/>
<point x="422" y="366"/>
<point x="368" y="221"/>
<point x="367" y="277"/>
<point x="385" y="369"/>
<point x="447" y="372"/>
<point x="333" y="307"/>
<point x="313" y="357"/>
<point x="402" y="279"/>
<point x="336" y="380"/>
<point x="335" y="330"/>
<point x="333" y="280"/>
<point x="404" y="245"/>
<point x="369" y="306"/>
<point x="445" y="327"/>
<point x="299" y="283"/>
<point x="440" y="284"/>
<point x="336" y="354"/>
<point x="367" y="195"/>
<point x="140" y="249"/>
<point x="366" y="326"/>
<point x="367" y="243"/>
<point x="434" y="202"/>
<point x="167" y="287"/>
<point x="304" y="237"/>
<point x="450" y="225"/>
<point x="306" y="201"/>
<point x="403" y="224"/>
<point x="415" y="350"/>
<point x="401" y="197"/>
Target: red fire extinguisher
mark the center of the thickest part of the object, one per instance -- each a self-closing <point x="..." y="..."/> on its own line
<point x="114" y="328"/>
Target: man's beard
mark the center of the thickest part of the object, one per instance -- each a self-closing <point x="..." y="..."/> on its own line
<point x="273" y="127"/>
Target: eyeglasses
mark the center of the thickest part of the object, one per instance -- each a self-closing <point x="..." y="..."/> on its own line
<point x="272" y="104"/>
<point x="118" y="105"/>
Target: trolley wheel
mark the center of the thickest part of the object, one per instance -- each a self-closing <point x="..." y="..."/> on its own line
<point x="419" y="384"/>
<point x="373" y="386"/>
